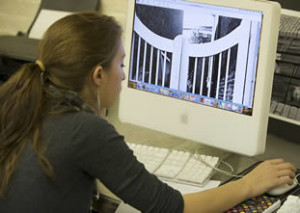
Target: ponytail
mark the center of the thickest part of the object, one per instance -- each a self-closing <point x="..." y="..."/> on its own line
<point x="22" y="108"/>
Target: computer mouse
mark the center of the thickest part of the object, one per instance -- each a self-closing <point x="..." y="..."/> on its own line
<point x="279" y="190"/>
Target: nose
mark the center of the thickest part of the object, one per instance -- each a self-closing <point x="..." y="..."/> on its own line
<point x="123" y="76"/>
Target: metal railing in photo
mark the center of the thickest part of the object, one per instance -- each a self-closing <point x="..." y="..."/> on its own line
<point x="208" y="69"/>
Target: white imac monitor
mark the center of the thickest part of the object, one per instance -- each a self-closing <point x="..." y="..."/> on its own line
<point x="201" y="70"/>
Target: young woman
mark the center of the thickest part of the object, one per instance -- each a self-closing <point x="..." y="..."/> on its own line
<point x="54" y="143"/>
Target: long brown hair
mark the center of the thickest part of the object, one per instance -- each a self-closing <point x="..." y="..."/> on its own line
<point x="69" y="50"/>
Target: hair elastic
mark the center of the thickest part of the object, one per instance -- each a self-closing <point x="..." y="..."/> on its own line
<point x="41" y="65"/>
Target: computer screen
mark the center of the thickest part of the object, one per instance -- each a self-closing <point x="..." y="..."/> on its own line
<point x="201" y="70"/>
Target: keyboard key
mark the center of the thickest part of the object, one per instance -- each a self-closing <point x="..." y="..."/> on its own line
<point x="174" y="165"/>
<point x="151" y="157"/>
<point x="195" y="171"/>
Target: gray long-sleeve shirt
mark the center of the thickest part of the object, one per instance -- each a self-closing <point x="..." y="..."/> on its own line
<point x="82" y="147"/>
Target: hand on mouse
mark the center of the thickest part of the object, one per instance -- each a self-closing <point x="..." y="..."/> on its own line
<point x="267" y="175"/>
<point x="281" y="189"/>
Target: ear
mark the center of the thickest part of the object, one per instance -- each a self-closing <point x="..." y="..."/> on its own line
<point x="98" y="75"/>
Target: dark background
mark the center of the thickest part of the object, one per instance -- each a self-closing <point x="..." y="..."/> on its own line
<point x="289" y="4"/>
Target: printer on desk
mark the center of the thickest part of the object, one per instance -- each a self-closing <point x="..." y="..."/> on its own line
<point x="23" y="48"/>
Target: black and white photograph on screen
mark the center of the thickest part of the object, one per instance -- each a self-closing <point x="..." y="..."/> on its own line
<point x="204" y="54"/>
<point x="154" y="61"/>
<point x="204" y="78"/>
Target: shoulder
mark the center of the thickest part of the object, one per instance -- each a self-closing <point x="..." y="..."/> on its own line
<point x="94" y="125"/>
<point x="83" y="125"/>
<point x="92" y="122"/>
<point x="79" y="120"/>
<point x="84" y="135"/>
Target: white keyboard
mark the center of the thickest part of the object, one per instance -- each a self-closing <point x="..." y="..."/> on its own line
<point x="178" y="166"/>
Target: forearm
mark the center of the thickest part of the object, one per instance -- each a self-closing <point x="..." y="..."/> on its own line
<point x="265" y="176"/>
<point x="216" y="200"/>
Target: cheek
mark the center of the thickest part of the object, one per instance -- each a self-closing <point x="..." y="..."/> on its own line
<point x="116" y="85"/>
<point x="115" y="80"/>
<point x="118" y="77"/>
